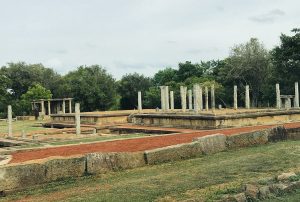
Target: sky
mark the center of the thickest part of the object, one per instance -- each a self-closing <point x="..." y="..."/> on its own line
<point x="143" y="36"/>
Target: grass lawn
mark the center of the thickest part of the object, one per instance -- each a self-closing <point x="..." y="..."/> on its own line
<point x="98" y="138"/>
<point x="205" y="178"/>
<point x="18" y="126"/>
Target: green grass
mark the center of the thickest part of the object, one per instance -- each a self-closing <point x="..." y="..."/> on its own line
<point x="18" y="126"/>
<point x="206" y="178"/>
<point x="290" y="197"/>
<point x="98" y="138"/>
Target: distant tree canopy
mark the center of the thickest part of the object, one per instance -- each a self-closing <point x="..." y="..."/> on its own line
<point x="92" y="86"/>
<point x="286" y="60"/>
<point x="249" y="63"/>
<point x="128" y="88"/>
<point x="34" y="93"/>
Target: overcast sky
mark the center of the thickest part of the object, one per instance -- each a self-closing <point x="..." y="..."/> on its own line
<point x="143" y="36"/>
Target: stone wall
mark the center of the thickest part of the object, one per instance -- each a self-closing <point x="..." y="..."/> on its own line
<point x="214" y="121"/>
<point x="24" y="175"/>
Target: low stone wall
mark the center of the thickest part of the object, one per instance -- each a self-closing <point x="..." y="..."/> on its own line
<point x="214" y="121"/>
<point x="24" y="175"/>
<point x="98" y="163"/>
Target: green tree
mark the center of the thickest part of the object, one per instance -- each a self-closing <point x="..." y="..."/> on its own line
<point x="92" y="86"/>
<point x="34" y="93"/>
<point x="164" y="76"/>
<point x="250" y="64"/>
<point x="187" y="70"/>
<point x="23" y="75"/>
<point x="286" y="60"/>
<point x="128" y="88"/>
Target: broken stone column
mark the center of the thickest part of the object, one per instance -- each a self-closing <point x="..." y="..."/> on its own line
<point x="247" y="98"/>
<point x="235" y="106"/>
<point x="212" y="95"/>
<point x="9" y="119"/>
<point x="172" y="100"/>
<point x="162" y="97"/>
<point x="206" y="98"/>
<point x="167" y="102"/>
<point x="296" y="101"/>
<point x="278" y="100"/>
<point x="49" y="108"/>
<point x="77" y="118"/>
<point x="200" y="104"/>
<point x="183" y="90"/>
<point x="64" y="107"/>
<point x="140" y="108"/>
<point x="190" y="96"/>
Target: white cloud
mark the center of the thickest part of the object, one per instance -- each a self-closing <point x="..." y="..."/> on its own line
<point x="136" y="35"/>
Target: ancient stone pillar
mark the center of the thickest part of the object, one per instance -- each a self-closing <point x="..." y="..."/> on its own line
<point x="183" y="98"/>
<point x="77" y="118"/>
<point x="235" y="106"/>
<point x="206" y="98"/>
<point x="196" y="97"/>
<point x="162" y="97"/>
<point x="64" y="107"/>
<point x="23" y="134"/>
<point x="70" y="106"/>
<point x="296" y="102"/>
<point x="200" y="98"/>
<point x="43" y="107"/>
<point x="140" y="108"/>
<point x="212" y="96"/>
<point x="9" y="119"/>
<point x="167" y="102"/>
<point x="247" y="98"/>
<point x="190" y="96"/>
<point x="172" y="99"/>
<point x="278" y="100"/>
<point x="49" y="107"/>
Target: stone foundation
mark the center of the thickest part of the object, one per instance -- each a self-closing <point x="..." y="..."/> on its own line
<point x="215" y="121"/>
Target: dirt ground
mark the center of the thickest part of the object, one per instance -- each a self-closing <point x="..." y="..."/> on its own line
<point x="130" y="145"/>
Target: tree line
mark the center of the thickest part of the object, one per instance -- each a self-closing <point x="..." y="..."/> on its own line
<point x="249" y="63"/>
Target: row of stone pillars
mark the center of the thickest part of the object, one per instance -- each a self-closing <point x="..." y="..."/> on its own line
<point x="10" y="119"/>
<point x="195" y="98"/>
<point x="247" y="97"/>
<point x="195" y="101"/>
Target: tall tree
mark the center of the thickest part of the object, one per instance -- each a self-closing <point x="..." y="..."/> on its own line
<point x="92" y="86"/>
<point x="286" y="59"/>
<point x="128" y="88"/>
<point x="250" y="64"/>
<point x="34" y="93"/>
<point x="23" y="75"/>
<point x="163" y="76"/>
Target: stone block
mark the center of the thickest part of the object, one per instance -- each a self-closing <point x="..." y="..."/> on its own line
<point x="264" y="192"/>
<point x="247" y="139"/>
<point x="173" y="153"/>
<point x="98" y="163"/>
<point x="21" y="176"/>
<point x="277" y="134"/>
<point x="285" y="176"/>
<point x="212" y="143"/>
<point x="60" y="168"/>
<point x="251" y="191"/>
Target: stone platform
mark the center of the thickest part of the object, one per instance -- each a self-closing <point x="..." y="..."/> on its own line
<point x="98" y="118"/>
<point x="218" y="118"/>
